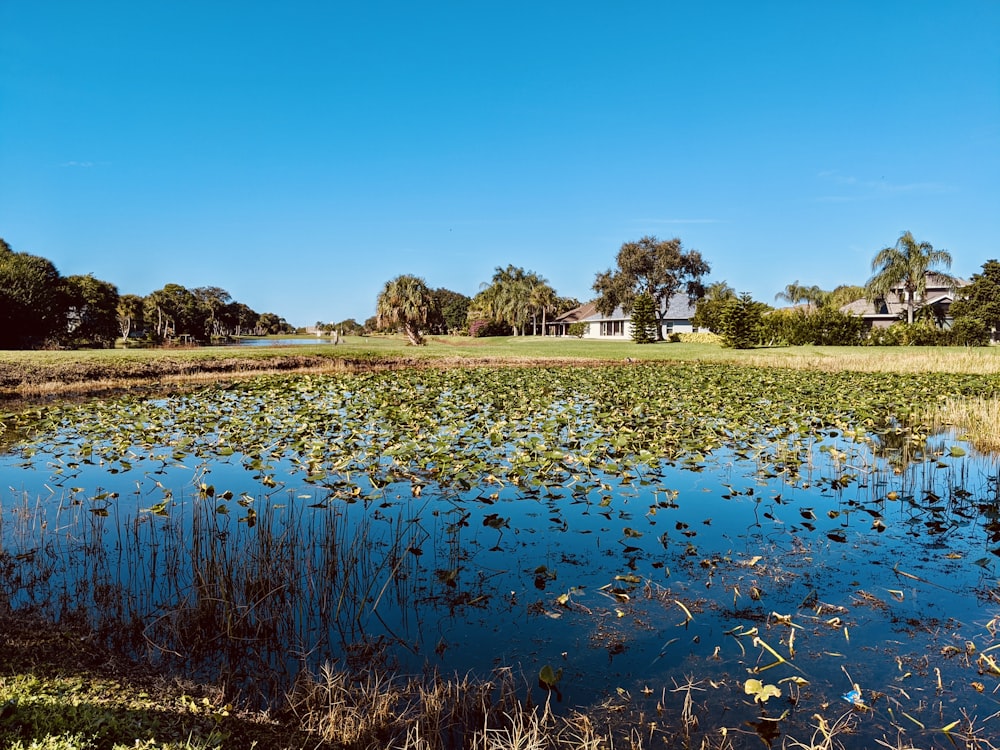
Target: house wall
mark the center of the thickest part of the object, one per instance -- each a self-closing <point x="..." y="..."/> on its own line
<point x="600" y="329"/>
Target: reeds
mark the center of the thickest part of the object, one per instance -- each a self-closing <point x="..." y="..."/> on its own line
<point x="976" y="419"/>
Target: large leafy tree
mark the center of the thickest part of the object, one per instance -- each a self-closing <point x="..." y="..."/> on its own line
<point x="980" y="299"/>
<point x="659" y="268"/>
<point x="32" y="300"/>
<point x="407" y="303"/>
<point x="451" y="311"/>
<point x="902" y="268"/>
<point x="212" y="301"/>
<point x="92" y="311"/>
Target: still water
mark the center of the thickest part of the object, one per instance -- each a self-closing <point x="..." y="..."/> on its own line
<point x="854" y="571"/>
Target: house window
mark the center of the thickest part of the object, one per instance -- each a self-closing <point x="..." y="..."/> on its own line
<point x="612" y="327"/>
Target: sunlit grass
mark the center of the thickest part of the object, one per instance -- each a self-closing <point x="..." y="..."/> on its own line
<point x="976" y="419"/>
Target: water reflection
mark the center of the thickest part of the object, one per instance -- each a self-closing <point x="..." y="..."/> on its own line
<point x="852" y="568"/>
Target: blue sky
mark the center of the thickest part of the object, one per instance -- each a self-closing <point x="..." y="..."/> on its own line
<point x="300" y="154"/>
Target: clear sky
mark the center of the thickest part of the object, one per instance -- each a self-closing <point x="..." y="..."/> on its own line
<point x="301" y="153"/>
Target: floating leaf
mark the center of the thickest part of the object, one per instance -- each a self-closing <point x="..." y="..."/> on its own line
<point x="549" y="677"/>
<point x="761" y="692"/>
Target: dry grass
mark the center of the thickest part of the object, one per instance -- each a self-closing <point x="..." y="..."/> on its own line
<point x="976" y="419"/>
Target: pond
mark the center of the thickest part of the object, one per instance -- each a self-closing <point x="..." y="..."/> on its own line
<point x="755" y="544"/>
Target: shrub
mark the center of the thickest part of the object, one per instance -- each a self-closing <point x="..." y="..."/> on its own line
<point x="480" y="328"/>
<point x="969" y="332"/>
<point x="577" y="329"/>
<point x="703" y="337"/>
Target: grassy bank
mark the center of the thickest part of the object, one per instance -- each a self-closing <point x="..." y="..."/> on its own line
<point x="54" y="373"/>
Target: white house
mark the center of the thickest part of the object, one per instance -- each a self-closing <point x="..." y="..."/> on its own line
<point x="618" y="326"/>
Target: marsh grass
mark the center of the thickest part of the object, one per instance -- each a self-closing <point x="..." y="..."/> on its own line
<point x="976" y="420"/>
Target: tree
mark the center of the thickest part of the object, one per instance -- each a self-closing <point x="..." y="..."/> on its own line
<point x="92" y="311"/>
<point x="176" y="311"/>
<point x="644" y="323"/>
<point x="32" y="300"/>
<point x="658" y="268"/>
<point x="129" y="314"/>
<point x="903" y="268"/>
<point x="980" y="299"/>
<point x="405" y="301"/>
<point x="512" y="297"/>
<point x="795" y="294"/>
<point x="212" y="301"/>
<point x="543" y="299"/>
<point x="740" y="322"/>
<point x="238" y="318"/>
<point x="453" y="310"/>
<point x="708" y="312"/>
<point x="844" y="294"/>
<point x="269" y="323"/>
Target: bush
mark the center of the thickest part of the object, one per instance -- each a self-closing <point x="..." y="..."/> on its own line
<point x="480" y="328"/>
<point x="826" y="326"/>
<point x="920" y="333"/>
<point x="577" y="329"/>
<point x="969" y="332"/>
<point x="703" y="337"/>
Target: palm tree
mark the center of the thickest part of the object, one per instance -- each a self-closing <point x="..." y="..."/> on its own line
<point x="405" y="301"/>
<point x="903" y="268"/>
<point x="507" y="298"/>
<point x="542" y="298"/>
<point x="719" y="291"/>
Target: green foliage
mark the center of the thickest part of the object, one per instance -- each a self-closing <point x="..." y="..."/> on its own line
<point x="902" y="269"/>
<point x="514" y="297"/>
<point x="92" y="314"/>
<point x="740" y="322"/>
<point x="32" y="300"/>
<point x="825" y="326"/>
<point x="795" y="294"/>
<point x="644" y="323"/>
<point x="980" y="300"/>
<point x="407" y="303"/>
<point x="969" y="332"/>
<point x="451" y="311"/>
<point x="658" y="268"/>
<point x="577" y="329"/>
<point x="920" y="333"/>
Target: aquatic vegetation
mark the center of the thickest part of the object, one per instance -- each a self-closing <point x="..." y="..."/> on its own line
<point x="602" y="529"/>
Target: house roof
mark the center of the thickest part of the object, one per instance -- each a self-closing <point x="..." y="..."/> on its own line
<point x="577" y="313"/>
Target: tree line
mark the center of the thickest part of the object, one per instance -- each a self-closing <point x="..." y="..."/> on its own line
<point x="514" y="302"/>
<point x="41" y="308"/>
<point x="900" y="272"/>
<point x="650" y="271"/>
